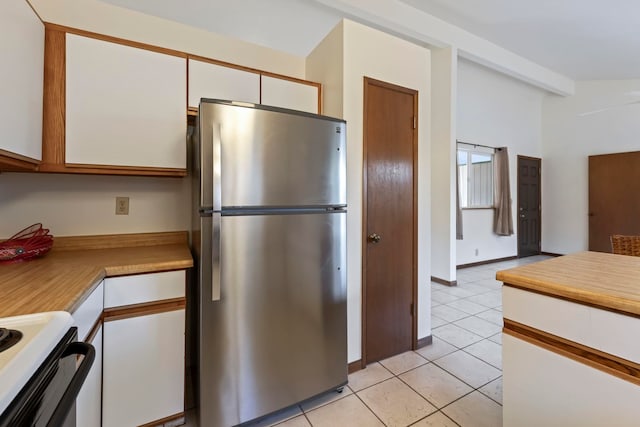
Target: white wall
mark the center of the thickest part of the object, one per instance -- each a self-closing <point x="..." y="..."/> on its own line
<point x="568" y="140"/>
<point x="498" y="111"/>
<point x="325" y="65"/>
<point x="85" y="205"/>
<point x="444" y="67"/>
<point x="104" y="18"/>
<point x="371" y="53"/>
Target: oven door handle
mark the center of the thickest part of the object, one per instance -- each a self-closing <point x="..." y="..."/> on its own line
<point x="69" y="397"/>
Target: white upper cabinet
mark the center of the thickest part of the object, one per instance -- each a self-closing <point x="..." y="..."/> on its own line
<point x="208" y="80"/>
<point x="21" y="79"/>
<point x="125" y="106"/>
<point x="289" y="94"/>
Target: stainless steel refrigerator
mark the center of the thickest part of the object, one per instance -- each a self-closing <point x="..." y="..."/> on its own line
<point x="269" y="238"/>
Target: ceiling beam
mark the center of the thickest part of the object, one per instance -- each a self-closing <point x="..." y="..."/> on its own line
<point x="403" y="20"/>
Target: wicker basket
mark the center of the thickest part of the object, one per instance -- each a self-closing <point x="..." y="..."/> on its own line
<point x="625" y="245"/>
<point x="33" y="241"/>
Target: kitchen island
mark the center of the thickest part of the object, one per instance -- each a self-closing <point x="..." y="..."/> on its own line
<point x="571" y="341"/>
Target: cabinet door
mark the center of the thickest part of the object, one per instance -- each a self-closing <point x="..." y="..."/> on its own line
<point x="143" y="369"/>
<point x="289" y="94"/>
<point x="208" y="80"/>
<point x="89" y="400"/>
<point x="21" y="79"/>
<point x="124" y="106"/>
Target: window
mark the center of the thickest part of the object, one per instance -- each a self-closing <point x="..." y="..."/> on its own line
<point x="475" y="178"/>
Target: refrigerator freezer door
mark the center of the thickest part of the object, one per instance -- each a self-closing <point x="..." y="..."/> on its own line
<point x="278" y="334"/>
<point x="272" y="157"/>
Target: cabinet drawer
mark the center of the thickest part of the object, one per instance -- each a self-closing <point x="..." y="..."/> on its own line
<point x="142" y="288"/>
<point x="89" y="312"/>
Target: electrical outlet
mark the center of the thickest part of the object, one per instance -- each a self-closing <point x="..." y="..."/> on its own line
<point x="477" y="251"/>
<point x="122" y="206"/>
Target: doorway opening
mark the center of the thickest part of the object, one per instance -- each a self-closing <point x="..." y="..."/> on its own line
<point x="529" y="206"/>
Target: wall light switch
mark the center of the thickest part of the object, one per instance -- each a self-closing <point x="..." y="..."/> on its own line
<point x="122" y="206"/>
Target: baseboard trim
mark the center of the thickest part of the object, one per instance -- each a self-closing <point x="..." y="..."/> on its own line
<point x="354" y="366"/>
<point x="489" y="261"/>
<point x="444" y="282"/>
<point x="423" y="342"/>
<point x="550" y="254"/>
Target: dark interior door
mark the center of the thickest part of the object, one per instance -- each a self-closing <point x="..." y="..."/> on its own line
<point x="614" y="205"/>
<point x="389" y="233"/>
<point x="529" y="206"/>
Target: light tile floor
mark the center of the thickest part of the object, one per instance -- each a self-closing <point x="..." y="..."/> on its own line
<point x="456" y="381"/>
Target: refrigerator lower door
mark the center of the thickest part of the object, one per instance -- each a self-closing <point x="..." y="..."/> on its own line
<point x="277" y="335"/>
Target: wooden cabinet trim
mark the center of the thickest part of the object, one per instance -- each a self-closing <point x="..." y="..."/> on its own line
<point x="136" y="310"/>
<point x="12" y="162"/>
<point x="118" y="40"/>
<point x="93" y="331"/>
<point x="111" y="170"/>
<point x="90" y="34"/>
<point x="252" y="70"/>
<point x="608" y="363"/>
<point x="54" y="98"/>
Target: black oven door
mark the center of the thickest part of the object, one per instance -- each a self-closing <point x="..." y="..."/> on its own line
<point x="48" y="398"/>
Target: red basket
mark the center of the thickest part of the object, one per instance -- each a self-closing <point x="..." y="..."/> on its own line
<point x="33" y="241"/>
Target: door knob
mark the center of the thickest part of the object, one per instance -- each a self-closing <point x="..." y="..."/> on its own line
<point x="374" y="238"/>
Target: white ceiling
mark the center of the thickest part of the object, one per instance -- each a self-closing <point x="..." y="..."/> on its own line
<point x="582" y="39"/>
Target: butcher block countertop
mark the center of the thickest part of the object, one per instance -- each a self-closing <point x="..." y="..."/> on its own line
<point x="610" y="282"/>
<point x="63" y="278"/>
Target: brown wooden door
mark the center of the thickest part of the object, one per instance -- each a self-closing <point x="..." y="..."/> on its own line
<point x="614" y="198"/>
<point x="529" y="206"/>
<point x="390" y="138"/>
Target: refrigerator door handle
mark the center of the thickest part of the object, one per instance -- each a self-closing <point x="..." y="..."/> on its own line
<point x="216" y="248"/>
<point x="217" y="167"/>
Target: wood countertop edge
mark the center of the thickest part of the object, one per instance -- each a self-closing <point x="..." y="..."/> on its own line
<point x="95" y="281"/>
<point x="120" y="270"/>
<point x="90" y="265"/>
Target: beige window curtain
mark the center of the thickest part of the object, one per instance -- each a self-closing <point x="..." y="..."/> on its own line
<point x="503" y="221"/>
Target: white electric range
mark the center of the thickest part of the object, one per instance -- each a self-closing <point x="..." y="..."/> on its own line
<point x="38" y="364"/>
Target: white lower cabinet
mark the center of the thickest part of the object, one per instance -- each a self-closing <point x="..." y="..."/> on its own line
<point x="144" y="341"/>
<point x="88" y="403"/>
<point x="137" y="377"/>
<point x="143" y="368"/>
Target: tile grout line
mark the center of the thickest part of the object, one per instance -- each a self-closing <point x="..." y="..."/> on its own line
<point x="367" y="406"/>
